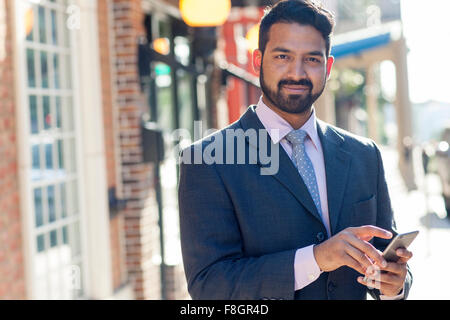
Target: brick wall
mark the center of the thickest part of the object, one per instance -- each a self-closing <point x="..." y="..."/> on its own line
<point x="118" y="251"/>
<point x="12" y="278"/>
<point x="104" y="11"/>
<point x="140" y="214"/>
<point x="176" y="286"/>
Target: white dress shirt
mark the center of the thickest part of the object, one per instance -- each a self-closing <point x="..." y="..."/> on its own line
<point x="305" y="266"/>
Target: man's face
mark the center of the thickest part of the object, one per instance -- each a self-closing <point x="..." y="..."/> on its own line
<point x="294" y="68"/>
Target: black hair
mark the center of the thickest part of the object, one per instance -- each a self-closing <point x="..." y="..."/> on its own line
<point x="303" y="12"/>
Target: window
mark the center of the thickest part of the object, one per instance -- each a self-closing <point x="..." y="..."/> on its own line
<point x="57" y="262"/>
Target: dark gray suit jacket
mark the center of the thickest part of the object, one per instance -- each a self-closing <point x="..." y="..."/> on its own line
<point x="240" y="229"/>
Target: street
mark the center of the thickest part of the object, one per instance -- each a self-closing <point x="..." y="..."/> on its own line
<point x="431" y="254"/>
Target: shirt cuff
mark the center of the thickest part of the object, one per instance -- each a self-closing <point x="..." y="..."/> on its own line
<point x="306" y="270"/>
<point x="397" y="297"/>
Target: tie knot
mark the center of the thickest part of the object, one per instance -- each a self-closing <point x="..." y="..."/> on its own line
<point x="296" y="137"/>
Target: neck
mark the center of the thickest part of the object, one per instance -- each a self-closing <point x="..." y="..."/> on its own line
<point x="296" y="120"/>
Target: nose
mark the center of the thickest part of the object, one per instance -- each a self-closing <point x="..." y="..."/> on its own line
<point x="297" y="70"/>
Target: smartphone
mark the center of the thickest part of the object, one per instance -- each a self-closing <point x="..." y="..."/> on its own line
<point x="400" y="241"/>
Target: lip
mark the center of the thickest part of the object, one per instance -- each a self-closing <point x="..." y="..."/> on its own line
<point x="296" y="88"/>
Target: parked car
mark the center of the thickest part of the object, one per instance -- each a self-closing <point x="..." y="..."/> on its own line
<point x="443" y="166"/>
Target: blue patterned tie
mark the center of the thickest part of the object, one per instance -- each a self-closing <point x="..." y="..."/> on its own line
<point x="304" y="164"/>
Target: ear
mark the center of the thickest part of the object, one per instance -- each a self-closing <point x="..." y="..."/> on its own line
<point x="330" y="63"/>
<point x="257" y="60"/>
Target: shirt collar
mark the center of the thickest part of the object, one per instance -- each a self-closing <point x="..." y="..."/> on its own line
<point x="273" y="121"/>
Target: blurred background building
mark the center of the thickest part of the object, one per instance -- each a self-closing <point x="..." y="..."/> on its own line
<point x="92" y="92"/>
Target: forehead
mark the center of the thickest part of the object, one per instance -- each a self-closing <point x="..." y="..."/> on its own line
<point x="295" y="37"/>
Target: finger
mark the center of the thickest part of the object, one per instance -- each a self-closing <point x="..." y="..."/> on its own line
<point x="352" y="263"/>
<point x="379" y="252"/>
<point x="404" y="255"/>
<point x="385" y="288"/>
<point x="359" y="256"/>
<point x="369" y="283"/>
<point x="368" y="249"/>
<point x="368" y="232"/>
<point x="396" y="268"/>
<point x="386" y="278"/>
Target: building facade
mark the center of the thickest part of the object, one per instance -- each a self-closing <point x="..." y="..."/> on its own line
<point x="81" y="208"/>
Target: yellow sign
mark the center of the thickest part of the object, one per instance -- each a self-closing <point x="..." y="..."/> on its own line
<point x="205" y="13"/>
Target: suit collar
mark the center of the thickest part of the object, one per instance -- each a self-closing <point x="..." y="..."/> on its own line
<point x="337" y="167"/>
<point x="249" y="120"/>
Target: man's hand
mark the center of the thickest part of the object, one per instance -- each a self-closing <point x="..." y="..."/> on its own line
<point x="351" y="248"/>
<point x="392" y="277"/>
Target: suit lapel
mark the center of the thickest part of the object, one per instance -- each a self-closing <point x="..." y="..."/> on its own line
<point x="337" y="166"/>
<point x="287" y="174"/>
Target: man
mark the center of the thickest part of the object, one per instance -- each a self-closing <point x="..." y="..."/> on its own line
<point x="313" y="228"/>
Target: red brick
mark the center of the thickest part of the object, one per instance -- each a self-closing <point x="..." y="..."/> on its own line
<point x="11" y="257"/>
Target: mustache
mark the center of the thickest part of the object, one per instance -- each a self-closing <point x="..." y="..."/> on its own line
<point x="302" y="82"/>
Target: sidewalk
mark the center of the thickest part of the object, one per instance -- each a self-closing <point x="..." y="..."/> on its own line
<point x="431" y="250"/>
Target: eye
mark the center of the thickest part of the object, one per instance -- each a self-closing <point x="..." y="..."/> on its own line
<point x="313" y="59"/>
<point x="282" y="57"/>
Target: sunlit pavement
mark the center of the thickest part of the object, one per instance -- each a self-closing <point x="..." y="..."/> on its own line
<point x="431" y="261"/>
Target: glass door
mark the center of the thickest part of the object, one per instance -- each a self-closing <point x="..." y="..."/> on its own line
<point x="172" y="106"/>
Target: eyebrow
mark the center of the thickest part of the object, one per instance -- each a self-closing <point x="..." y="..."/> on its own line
<point x="280" y="49"/>
<point x="312" y="53"/>
<point x="315" y="53"/>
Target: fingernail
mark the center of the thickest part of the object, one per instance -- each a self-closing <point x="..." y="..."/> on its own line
<point x="384" y="263"/>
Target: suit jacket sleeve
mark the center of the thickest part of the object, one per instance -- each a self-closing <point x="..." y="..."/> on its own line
<point x="214" y="262"/>
<point x="385" y="220"/>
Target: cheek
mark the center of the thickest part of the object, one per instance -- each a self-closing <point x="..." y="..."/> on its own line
<point x="271" y="76"/>
<point x="318" y="75"/>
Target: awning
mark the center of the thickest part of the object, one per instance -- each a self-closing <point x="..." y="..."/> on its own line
<point x="360" y="46"/>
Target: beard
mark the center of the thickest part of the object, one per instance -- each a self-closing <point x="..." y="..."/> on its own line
<point x="292" y="103"/>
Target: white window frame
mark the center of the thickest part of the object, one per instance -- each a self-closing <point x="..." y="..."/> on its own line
<point x="91" y="173"/>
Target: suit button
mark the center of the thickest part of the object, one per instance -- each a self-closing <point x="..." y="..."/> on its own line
<point x="331" y="286"/>
<point x="320" y="236"/>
